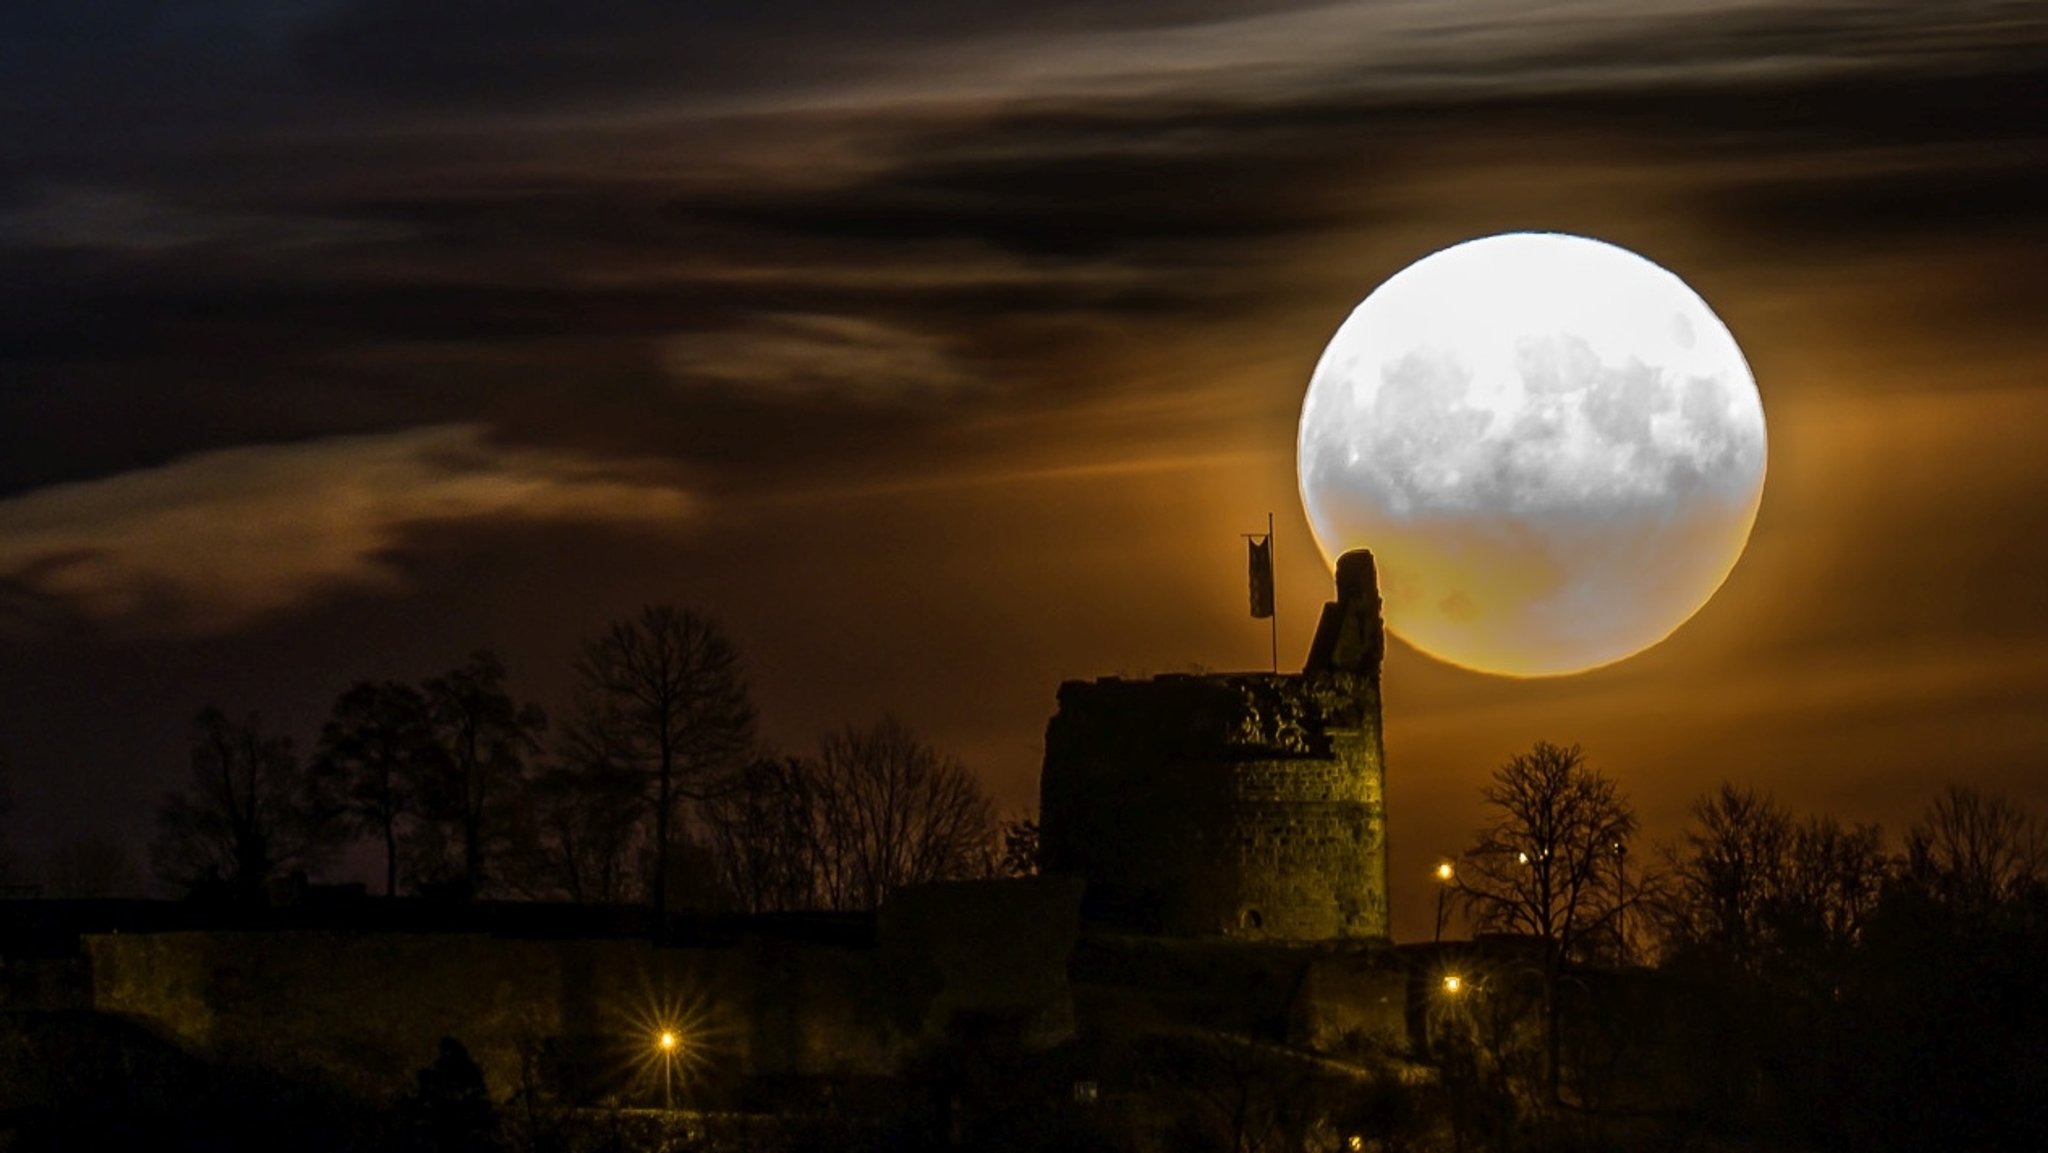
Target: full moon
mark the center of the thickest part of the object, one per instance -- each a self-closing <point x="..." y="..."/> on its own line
<point x="1552" y="446"/>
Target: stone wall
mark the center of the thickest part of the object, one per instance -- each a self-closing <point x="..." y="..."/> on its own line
<point x="365" y="1010"/>
<point x="987" y="950"/>
<point x="1248" y="805"/>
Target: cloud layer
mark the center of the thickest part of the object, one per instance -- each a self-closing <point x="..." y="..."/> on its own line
<point x="221" y="539"/>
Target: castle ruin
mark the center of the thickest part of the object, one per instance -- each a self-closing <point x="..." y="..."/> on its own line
<point x="1190" y="816"/>
<point x="1246" y="805"/>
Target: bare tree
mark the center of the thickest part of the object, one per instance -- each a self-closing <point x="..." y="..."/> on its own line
<point x="1549" y="864"/>
<point x="485" y="737"/>
<point x="764" y="824"/>
<point x="1832" y="886"/>
<point x="585" y="823"/>
<point x="377" y="750"/>
<point x="878" y="809"/>
<point x="249" y="813"/>
<point x="1019" y="853"/>
<point x="895" y="812"/>
<point x="663" y="694"/>
<point x="1975" y="850"/>
<point x="1754" y="890"/>
<point x="1728" y="877"/>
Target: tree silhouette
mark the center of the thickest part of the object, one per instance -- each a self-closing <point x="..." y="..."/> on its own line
<point x="378" y="750"/>
<point x="895" y="812"/>
<point x="877" y="809"/>
<point x="1729" y="875"/>
<point x="764" y="823"/>
<point x="1019" y="854"/>
<point x="485" y="737"/>
<point x="583" y="827"/>
<point x="1943" y="1016"/>
<point x="249" y="813"/>
<point x="1549" y="863"/>
<point x="663" y="694"/>
<point x="1975" y="850"/>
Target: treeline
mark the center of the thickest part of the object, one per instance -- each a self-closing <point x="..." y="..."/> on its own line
<point x="652" y="787"/>
<point x="1796" y="980"/>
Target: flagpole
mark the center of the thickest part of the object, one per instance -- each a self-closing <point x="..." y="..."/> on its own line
<point x="1273" y="619"/>
<point x="1264" y="594"/>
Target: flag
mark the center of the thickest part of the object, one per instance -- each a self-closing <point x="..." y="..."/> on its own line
<point x="1262" y="575"/>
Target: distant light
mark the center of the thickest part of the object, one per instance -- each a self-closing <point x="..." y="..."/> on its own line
<point x="1356" y="1143"/>
<point x="1522" y="858"/>
<point x="668" y="1040"/>
<point x="1445" y="872"/>
<point x="1453" y="983"/>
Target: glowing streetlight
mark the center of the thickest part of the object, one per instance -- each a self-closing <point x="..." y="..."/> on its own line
<point x="1453" y="984"/>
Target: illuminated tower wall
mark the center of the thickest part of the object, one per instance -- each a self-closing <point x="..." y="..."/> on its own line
<point x="1248" y="805"/>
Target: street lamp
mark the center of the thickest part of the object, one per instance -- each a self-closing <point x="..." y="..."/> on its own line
<point x="1453" y="984"/>
<point x="1445" y="874"/>
<point x="1621" y="902"/>
<point x="668" y="1042"/>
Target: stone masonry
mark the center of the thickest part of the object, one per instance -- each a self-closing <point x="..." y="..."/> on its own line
<point x="1247" y="805"/>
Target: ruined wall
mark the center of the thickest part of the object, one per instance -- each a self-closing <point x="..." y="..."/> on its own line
<point x="365" y="1010"/>
<point x="1247" y="805"/>
<point x="987" y="949"/>
<point x="1250" y="805"/>
<point x="1354" y="1003"/>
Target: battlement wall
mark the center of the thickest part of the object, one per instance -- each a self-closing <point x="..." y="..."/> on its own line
<point x="1247" y="805"/>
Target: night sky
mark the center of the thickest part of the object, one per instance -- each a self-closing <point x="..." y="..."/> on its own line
<point x="944" y="350"/>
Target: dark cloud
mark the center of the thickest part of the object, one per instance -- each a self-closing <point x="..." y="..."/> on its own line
<point x="1903" y="195"/>
<point x="215" y="541"/>
<point x="555" y="50"/>
<point x="1166" y="187"/>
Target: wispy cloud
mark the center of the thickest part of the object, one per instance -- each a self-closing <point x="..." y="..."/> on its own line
<point x="719" y="58"/>
<point x="215" y="540"/>
<point x="809" y="354"/>
<point x="137" y="224"/>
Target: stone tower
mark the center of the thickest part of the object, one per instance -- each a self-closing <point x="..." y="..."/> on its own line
<point x="1250" y="805"/>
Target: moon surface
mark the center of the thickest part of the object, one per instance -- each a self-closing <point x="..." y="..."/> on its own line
<point x="1552" y="446"/>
